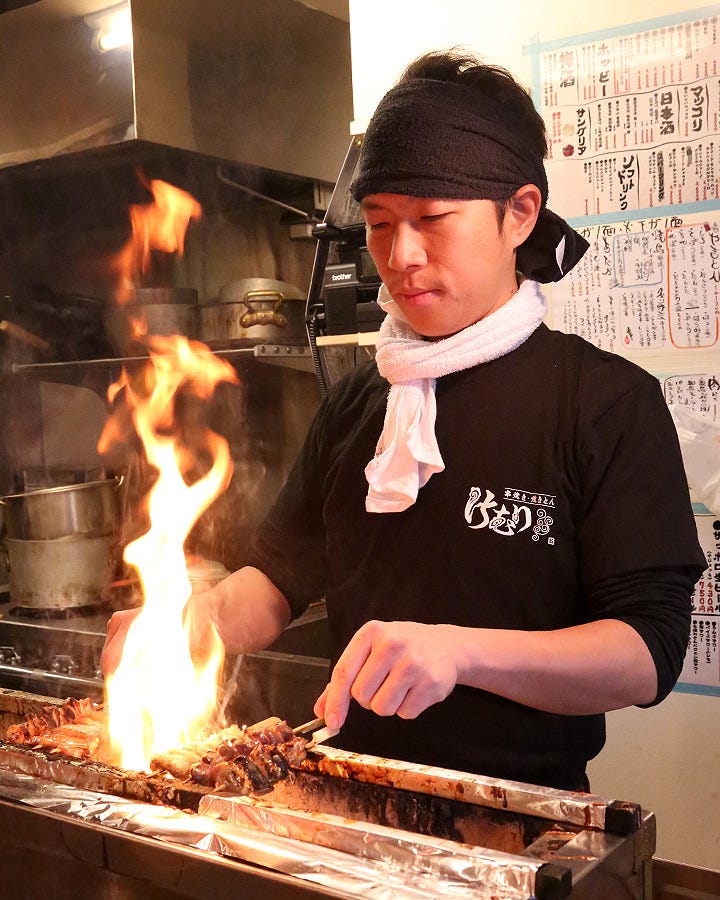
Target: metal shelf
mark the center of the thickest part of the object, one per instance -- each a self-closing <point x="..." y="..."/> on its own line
<point x="38" y="370"/>
<point x="294" y="356"/>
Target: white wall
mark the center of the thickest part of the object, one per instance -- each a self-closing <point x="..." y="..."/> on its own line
<point x="667" y="758"/>
<point x="385" y="35"/>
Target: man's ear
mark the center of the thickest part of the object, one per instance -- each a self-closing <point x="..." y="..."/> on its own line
<point x="522" y="211"/>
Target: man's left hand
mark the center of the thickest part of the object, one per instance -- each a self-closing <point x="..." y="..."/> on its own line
<point x="392" y="668"/>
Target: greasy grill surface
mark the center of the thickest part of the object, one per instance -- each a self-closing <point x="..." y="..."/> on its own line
<point x="320" y="780"/>
<point x="407" y="810"/>
<point x="374" y="803"/>
<point x="96" y="776"/>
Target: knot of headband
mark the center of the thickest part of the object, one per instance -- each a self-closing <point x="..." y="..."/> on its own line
<point x="445" y="140"/>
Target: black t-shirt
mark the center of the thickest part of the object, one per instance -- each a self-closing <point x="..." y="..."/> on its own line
<point x="562" y="472"/>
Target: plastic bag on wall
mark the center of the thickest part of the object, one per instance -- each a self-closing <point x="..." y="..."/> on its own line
<point x="700" y="445"/>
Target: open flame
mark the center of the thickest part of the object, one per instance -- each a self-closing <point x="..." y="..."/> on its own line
<point x="160" y="225"/>
<point x="160" y="696"/>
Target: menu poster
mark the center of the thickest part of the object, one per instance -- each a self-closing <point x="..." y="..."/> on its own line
<point x="701" y="669"/>
<point x="649" y="284"/>
<point x="700" y="392"/>
<point x="633" y="124"/>
<point x="633" y="117"/>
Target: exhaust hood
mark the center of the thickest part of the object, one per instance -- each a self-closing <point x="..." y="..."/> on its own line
<point x="261" y="83"/>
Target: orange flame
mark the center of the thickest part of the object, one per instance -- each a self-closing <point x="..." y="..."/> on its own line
<point x="160" y="225"/>
<point x="160" y="697"/>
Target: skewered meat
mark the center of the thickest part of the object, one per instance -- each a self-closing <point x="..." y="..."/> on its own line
<point x="251" y="762"/>
<point x="243" y="759"/>
<point x="178" y="762"/>
<point x="77" y="729"/>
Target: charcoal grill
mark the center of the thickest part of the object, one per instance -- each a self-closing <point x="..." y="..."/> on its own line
<point x="343" y="825"/>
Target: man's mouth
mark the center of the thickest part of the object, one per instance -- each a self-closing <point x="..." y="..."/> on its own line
<point x="416" y="296"/>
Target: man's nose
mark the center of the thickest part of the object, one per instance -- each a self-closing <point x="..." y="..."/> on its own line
<point x="407" y="249"/>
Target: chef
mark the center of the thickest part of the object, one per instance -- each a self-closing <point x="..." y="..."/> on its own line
<point x="495" y="512"/>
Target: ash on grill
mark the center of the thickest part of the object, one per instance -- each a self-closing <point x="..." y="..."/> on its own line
<point x="243" y="759"/>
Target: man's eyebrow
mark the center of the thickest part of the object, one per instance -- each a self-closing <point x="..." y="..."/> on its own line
<point x="370" y="204"/>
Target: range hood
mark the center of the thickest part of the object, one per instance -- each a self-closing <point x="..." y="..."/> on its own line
<point x="261" y="83"/>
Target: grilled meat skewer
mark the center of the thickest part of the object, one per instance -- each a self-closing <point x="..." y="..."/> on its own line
<point x="242" y="759"/>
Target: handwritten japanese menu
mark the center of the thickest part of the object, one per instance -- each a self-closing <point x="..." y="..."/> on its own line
<point x="702" y="661"/>
<point x="647" y="284"/>
<point x="700" y="391"/>
<point x="633" y="125"/>
<point x="652" y="287"/>
<point x="633" y="119"/>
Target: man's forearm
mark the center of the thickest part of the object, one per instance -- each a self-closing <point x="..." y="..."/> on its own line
<point x="401" y="668"/>
<point x="580" y="670"/>
<point x="248" y="611"/>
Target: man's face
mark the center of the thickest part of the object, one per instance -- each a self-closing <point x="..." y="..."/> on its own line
<point x="446" y="263"/>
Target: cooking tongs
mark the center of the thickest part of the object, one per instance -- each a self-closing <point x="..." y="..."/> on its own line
<point x="318" y="731"/>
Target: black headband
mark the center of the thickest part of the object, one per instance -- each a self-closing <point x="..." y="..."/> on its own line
<point x="447" y="141"/>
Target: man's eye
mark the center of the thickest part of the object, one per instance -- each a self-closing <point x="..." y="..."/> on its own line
<point x="375" y="226"/>
<point x="435" y="218"/>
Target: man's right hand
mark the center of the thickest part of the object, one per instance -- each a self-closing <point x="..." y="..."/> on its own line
<point x="246" y="608"/>
<point x="117" y="631"/>
<point x="197" y="615"/>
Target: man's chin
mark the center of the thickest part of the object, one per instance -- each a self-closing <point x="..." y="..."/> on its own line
<point x="428" y="326"/>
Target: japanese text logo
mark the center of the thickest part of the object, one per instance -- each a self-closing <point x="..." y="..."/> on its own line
<point x="518" y="511"/>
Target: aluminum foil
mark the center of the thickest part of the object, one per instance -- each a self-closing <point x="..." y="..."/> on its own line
<point x="399" y="850"/>
<point x="573" y="807"/>
<point x="385" y="878"/>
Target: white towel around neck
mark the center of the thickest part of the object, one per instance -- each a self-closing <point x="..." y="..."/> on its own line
<point x="407" y="453"/>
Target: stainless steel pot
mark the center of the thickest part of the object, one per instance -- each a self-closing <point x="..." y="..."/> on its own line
<point x="165" y="296"/>
<point x="164" y="319"/>
<point x="62" y="573"/>
<point x="90" y="509"/>
<point x="255" y="311"/>
<point x="165" y="311"/>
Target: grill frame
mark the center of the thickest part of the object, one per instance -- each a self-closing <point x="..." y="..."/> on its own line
<point x="599" y="862"/>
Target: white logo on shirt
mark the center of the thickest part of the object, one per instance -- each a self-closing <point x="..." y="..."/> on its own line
<point x="519" y="511"/>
